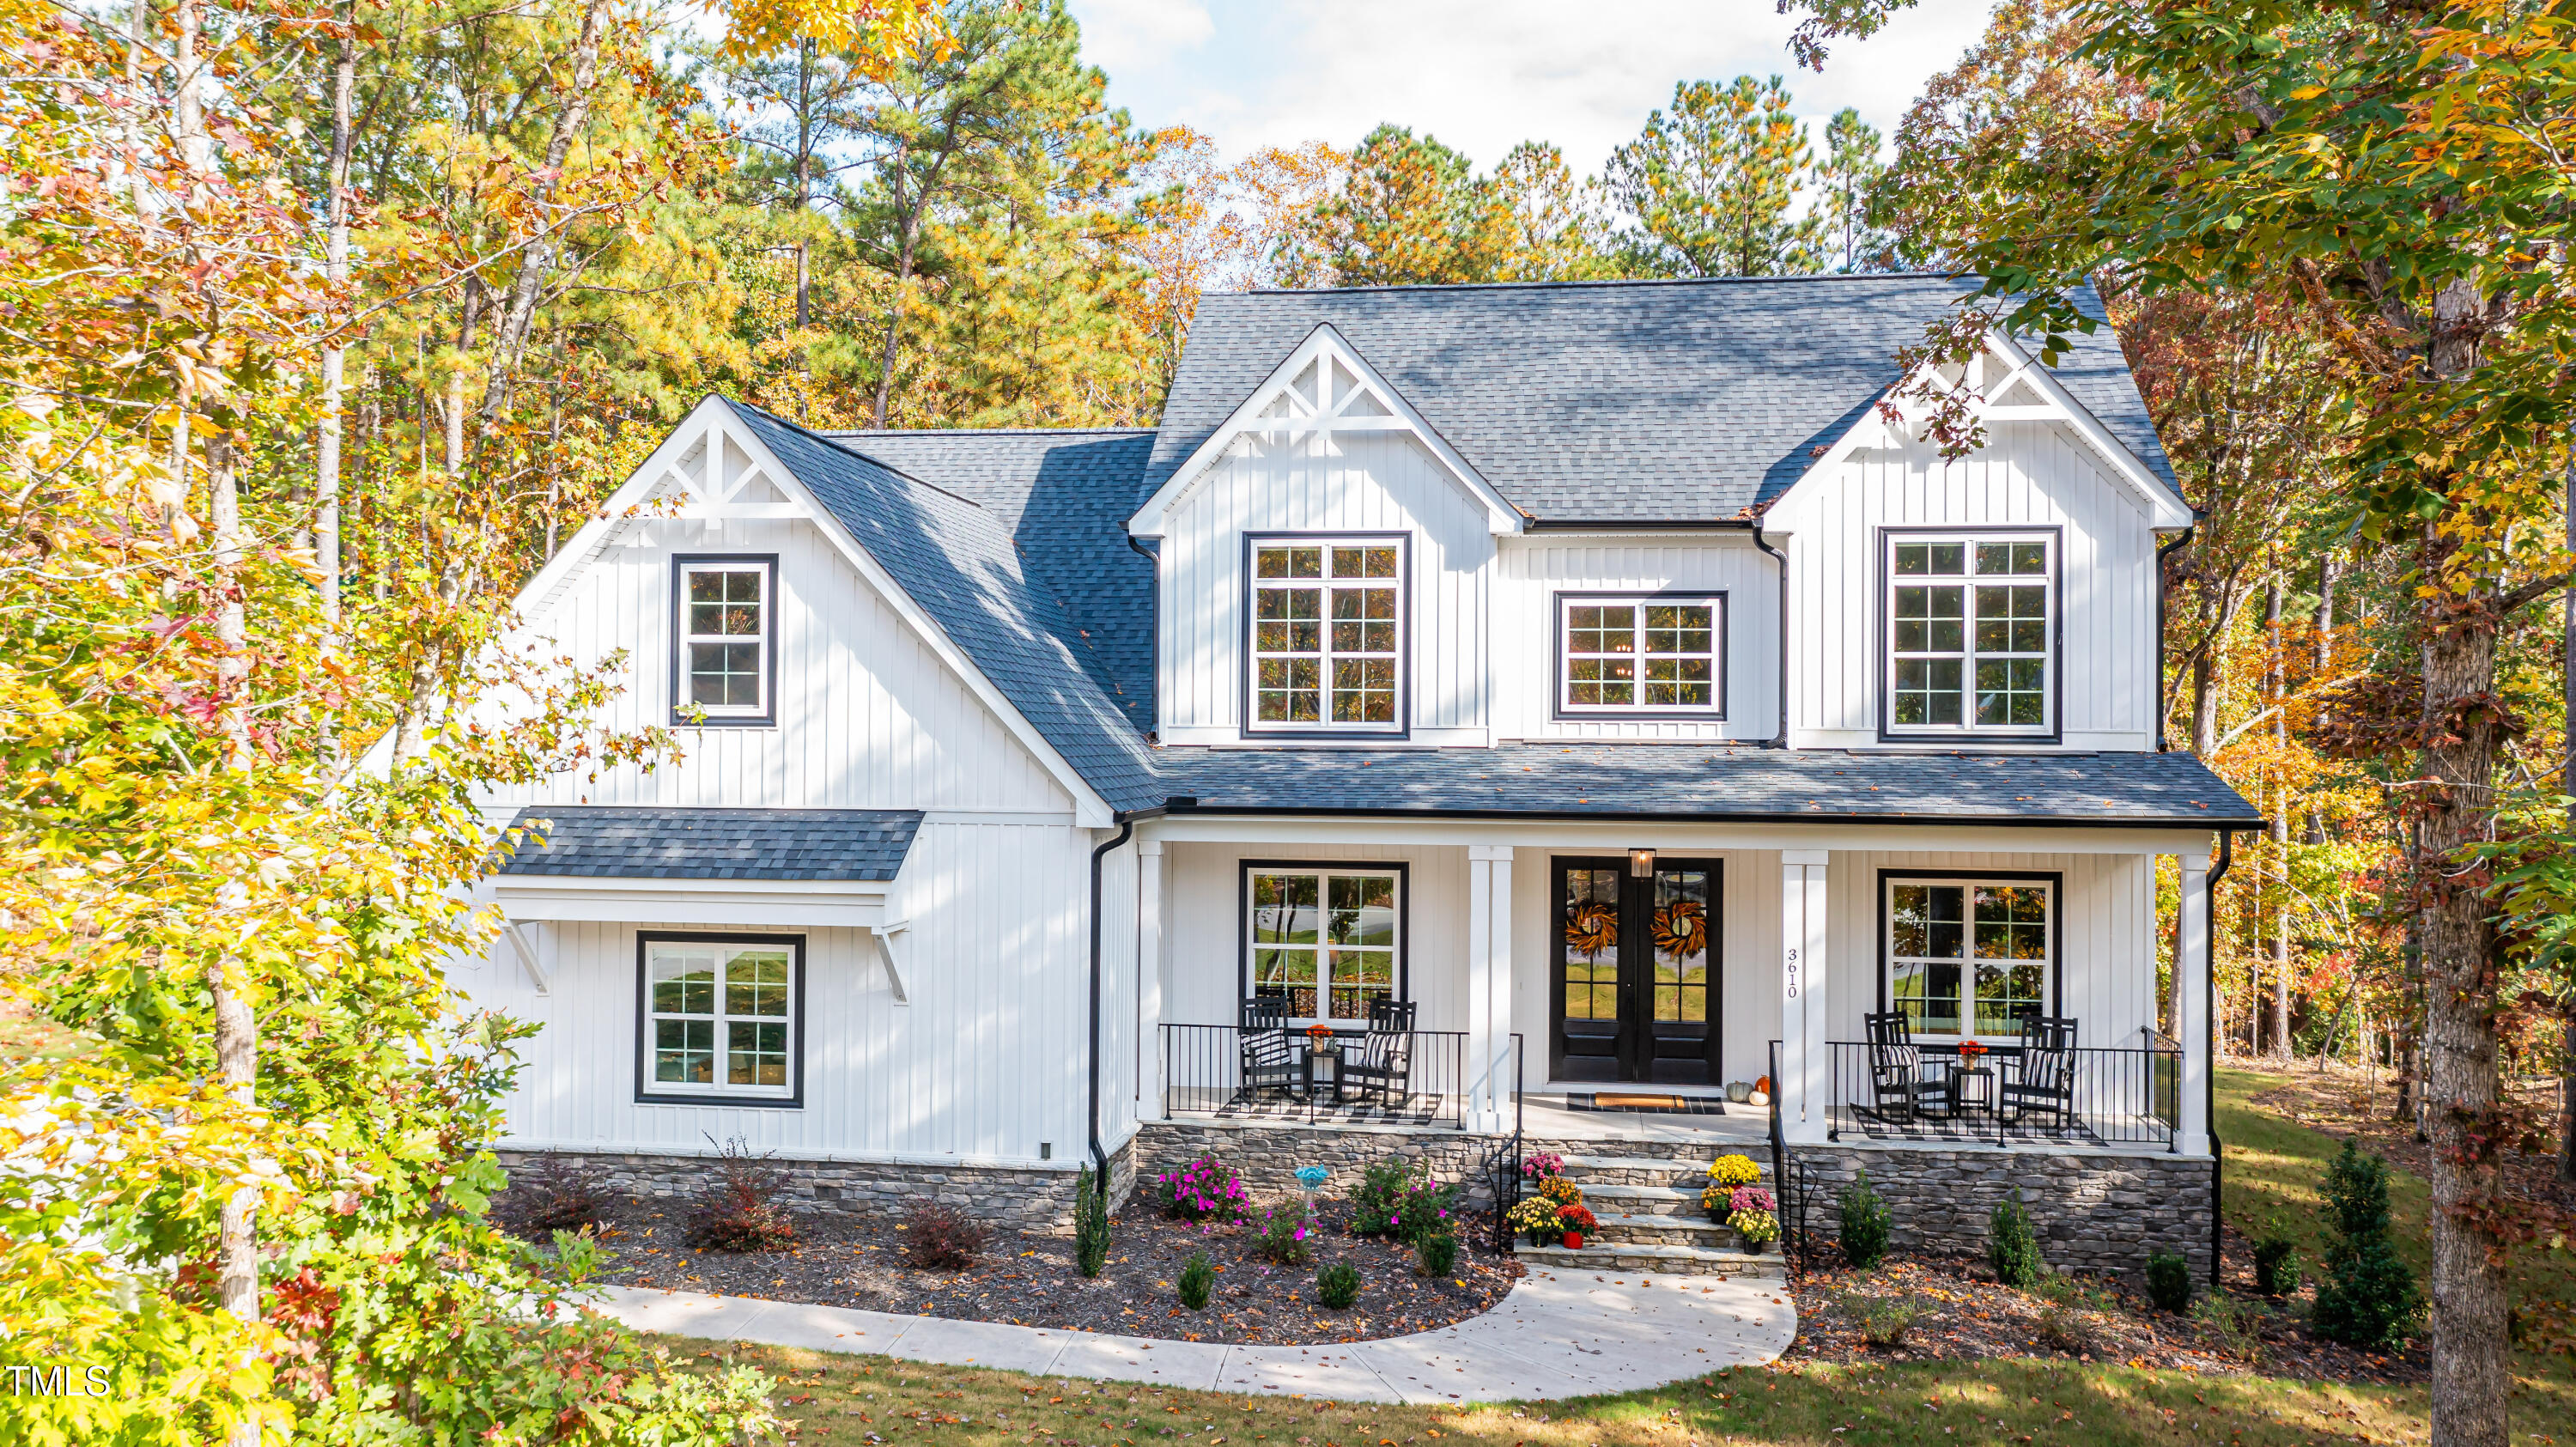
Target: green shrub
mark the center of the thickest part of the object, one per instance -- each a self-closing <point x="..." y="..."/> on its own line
<point x="2368" y="1298"/>
<point x="1289" y="1231"/>
<point x="1090" y="1224"/>
<point x="1397" y="1197"/>
<point x="1867" y="1221"/>
<point x="2237" y="1325"/>
<point x="2168" y="1281"/>
<point x="2012" y="1247"/>
<point x="1882" y="1324"/>
<point x="2276" y="1265"/>
<point x="1198" y="1278"/>
<point x="1439" y="1253"/>
<point x="1338" y="1285"/>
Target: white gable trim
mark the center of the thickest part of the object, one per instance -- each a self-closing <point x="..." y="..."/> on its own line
<point x="707" y="430"/>
<point x="2014" y="367"/>
<point x="1319" y="418"/>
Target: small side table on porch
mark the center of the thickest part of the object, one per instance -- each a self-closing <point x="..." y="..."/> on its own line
<point x="1972" y="1092"/>
<point x="1329" y="1076"/>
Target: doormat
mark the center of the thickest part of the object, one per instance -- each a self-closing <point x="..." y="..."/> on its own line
<point x="1647" y="1104"/>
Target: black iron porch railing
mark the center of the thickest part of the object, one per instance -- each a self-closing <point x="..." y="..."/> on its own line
<point x="1222" y="1070"/>
<point x="2086" y="1096"/>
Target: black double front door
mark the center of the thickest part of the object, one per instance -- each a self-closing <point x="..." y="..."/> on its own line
<point x="1635" y="972"/>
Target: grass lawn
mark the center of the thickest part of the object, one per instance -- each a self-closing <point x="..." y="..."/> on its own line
<point x="2273" y="1171"/>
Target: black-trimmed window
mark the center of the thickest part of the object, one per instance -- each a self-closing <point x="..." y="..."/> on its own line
<point x="1328" y="939"/>
<point x="1969" y="958"/>
<point x="1625" y="655"/>
<point x="1971" y="633"/>
<point x="725" y="640"/>
<point x="1327" y="636"/>
<point x="720" y="1017"/>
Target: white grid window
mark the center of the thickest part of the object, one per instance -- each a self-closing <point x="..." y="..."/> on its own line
<point x="725" y="622"/>
<point x="1970" y="639"/>
<point x="1328" y="635"/>
<point x="719" y="1018"/>
<point x="1639" y="655"/>
<point x="1967" y="958"/>
<point x="1324" y="940"/>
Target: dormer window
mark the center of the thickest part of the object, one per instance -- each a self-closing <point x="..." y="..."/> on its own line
<point x="1971" y="632"/>
<point x="1328" y="635"/>
<point x="725" y="656"/>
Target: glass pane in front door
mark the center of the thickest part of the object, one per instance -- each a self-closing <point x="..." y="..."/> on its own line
<point x="1682" y="923"/>
<point x="1589" y="999"/>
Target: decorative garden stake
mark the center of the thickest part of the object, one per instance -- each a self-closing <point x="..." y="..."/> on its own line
<point x="1313" y="1179"/>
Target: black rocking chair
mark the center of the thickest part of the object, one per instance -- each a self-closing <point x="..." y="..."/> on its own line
<point x="1900" y="1087"/>
<point x="1262" y="1036"/>
<point x="1383" y="1072"/>
<point x="2041" y="1086"/>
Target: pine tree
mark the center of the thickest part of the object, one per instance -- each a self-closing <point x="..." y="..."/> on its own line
<point x="1848" y="181"/>
<point x="1711" y="185"/>
<point x="2368" y="1298"/>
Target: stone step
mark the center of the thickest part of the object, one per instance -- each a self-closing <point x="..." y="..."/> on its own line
<point x="1702" y="1150"/>
<point x="1622" y="1229"/>
<point x="1643" y="1200"/>
<point x="1665" y="1260"/>
<point x="1627" y="1170"/>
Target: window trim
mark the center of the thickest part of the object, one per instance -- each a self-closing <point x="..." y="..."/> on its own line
<point x="1401" y="869"/>
<point x="2054" y="731"/>
<point x="1715" y="712"/>
<point x="645" y="1094"/>
<point x="1250" y="726"/>
<point x="2055" y="879"/>
<point x="681" y="563"/>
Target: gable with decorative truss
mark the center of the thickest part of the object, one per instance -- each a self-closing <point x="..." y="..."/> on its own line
<point x="1324" y="388"/>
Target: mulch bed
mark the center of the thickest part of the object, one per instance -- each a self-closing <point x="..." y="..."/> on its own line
<point x="1961" y="1313"/>
<point x="1030" y="1280"/>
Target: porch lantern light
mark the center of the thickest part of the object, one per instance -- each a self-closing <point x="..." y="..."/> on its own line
<point x="1641" y="864"/>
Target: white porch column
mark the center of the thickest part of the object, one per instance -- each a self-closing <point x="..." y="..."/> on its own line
<point x="1149" y="979"/>
<point x="2191" y="1003"/>
<point x="1806" y="1060"/>
<point x="1489" y="986"/>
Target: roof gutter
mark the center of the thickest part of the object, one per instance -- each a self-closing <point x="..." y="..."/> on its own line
<point x="1091" y="1121"/>
<point x="2209" y="1072"/>
<point x="1780" y="739"/>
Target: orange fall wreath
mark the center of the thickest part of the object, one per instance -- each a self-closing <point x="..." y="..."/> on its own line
<point x="1681" y="929"/>
<point x="1593" y="929"/>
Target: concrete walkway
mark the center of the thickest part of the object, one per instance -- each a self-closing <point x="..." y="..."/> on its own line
<point x="1558" y="1334"/>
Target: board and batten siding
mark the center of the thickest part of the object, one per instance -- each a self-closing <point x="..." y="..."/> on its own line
<point x="1533" y="570"/>
<point x="2032" y="475"/>
<point x="1384" y="482"/>
<point x="2107" y="930"/>
<point x="987" y="1060"/>
<point x="869" y="716"/>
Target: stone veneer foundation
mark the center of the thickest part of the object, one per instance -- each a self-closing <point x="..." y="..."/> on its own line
<point x="1019" y="1198"/>
<point x="2095" y="1210"/>
<point x="1268" y="1154"/>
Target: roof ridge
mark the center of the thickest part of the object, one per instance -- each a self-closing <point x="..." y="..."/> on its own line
<point x="985" y="431"/>
<point x="834" y="443"/>
<point x="1603" y="283"/>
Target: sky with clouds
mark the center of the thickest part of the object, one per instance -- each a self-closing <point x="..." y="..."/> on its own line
<point x="1484" y="75"/>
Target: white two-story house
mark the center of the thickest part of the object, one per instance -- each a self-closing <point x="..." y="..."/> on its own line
<point x="1567" y="700"/>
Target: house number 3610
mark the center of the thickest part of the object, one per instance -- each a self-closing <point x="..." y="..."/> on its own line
<point x="1793" y="974"/>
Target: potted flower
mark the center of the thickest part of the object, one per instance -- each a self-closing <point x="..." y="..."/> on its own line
<point x="1758" y="1228"/>
<point x="1750" y="1210"/>
<point x="1574" y="1221"/>
<point x="1536" y="1218"/>
<point x="1732" y="1171"/>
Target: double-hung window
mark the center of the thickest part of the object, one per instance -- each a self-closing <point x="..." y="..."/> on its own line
<point x="721" y="1016"/>
<point x="727" y="640"/>
<point x="1640" y="655"/>
<point x="1969" y="958"/>
<point x="1327" y="940"/>
<point x="1328" y="635"/>
<point x="1971" y="634"/>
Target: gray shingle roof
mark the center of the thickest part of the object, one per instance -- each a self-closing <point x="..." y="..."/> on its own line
<point x="1682" y="781"/>
<point x="956" y="560"/>
<point x="656" y="843"/>
<point x="1640" y="401"/>
<point x="1064" y="497"/>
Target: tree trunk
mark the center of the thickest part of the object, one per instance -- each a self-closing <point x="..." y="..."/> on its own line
<point x="455" y="417"/>
<point x="326" y="489"/>
<point x="2567" y="785"/>
<point x="2470" y="1378"/>
<point x="510" y="336"/>
<point x="2279" y="691"/>
<point x="902" y="279"/>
